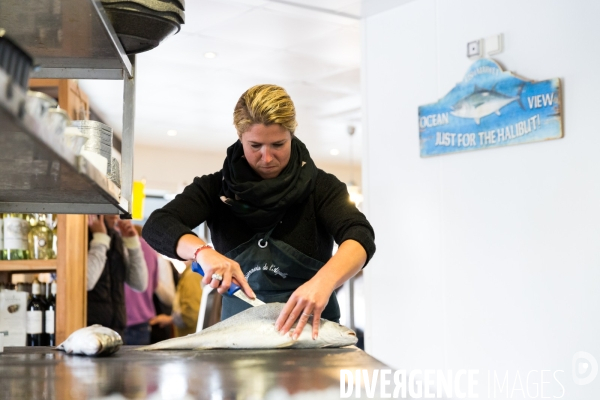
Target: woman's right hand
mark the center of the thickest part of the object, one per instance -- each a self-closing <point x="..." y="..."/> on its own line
<point x="96" y="223"/>
<point x="213" y="262"/>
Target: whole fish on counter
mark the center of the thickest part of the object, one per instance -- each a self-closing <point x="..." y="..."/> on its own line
<point x="95" y="340"/>
<point x="254" y="328"/>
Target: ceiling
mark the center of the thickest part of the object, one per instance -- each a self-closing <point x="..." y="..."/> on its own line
<point x="310" y="47"/>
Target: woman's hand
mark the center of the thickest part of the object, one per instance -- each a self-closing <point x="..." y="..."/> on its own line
<point x="308" y="300"/>
<point x="162" y="320"/>
<point x="213" y="262"/>
<point x="96" y="223"/>
<point x="126" y="228"/>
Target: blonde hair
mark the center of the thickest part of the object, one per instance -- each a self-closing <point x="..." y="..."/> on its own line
<point x="264" y="104"/>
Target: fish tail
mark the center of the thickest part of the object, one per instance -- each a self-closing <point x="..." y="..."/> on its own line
<point x="155" y="346"/>
<point x="519" y="95"/>
<point x="163" y="345"/>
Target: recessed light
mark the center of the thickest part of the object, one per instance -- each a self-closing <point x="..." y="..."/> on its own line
<point x="334" y="152"/>
<point x="171" y="132"/>
<point x="210" y="54"/>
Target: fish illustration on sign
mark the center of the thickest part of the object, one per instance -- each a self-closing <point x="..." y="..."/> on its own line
<point x="490" y="108"/>
<point x="483" y="102"/>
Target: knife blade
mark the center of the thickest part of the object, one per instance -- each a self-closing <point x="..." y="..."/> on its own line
<point x="234" y="289"/>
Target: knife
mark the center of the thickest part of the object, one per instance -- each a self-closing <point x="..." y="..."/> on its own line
<point x="234" y="290"/>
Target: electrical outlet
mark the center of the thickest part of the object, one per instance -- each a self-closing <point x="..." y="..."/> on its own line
<point x="475" y="49"/>
<point x="493" y="44"/>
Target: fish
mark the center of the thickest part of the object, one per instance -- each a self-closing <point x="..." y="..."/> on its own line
<point x="483" y="102"/>
<point x="254" y="328"/>
<point x="95" y="340"/>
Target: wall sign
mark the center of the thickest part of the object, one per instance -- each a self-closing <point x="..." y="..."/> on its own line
<point x="490" y="108"/>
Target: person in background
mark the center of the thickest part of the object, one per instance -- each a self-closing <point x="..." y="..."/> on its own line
<point x="168" y="277"/>
<point x="114" y="258"/>
<point x="139" y="305"/>
<point x="186" y="305"/>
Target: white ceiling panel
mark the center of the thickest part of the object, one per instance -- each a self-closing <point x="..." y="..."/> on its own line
<point x="269" y="28"/>
<point x="339" y="47"/>
<point x="354" y="8"/>
<point x="325" y="4"/>
<point x="190" y="49"/>
<point x="286" y="66"/>
<point x="202" y="14"/>
<point x="314" y="13"/>
<point x="311" y="95"/>
<point x="307" y="48"/>
<point x="346" y="81"/>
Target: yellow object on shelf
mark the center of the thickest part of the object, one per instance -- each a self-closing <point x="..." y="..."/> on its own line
<point x="138" y="197"/>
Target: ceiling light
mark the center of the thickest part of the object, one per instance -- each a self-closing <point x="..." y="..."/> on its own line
<point x="171" y="132"/>
<point x="334" y="152"/>
<point x="210" y="54"/>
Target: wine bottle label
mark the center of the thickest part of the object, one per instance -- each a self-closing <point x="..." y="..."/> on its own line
<point x="35" y="288"/>
<point x="15" y="233"/>
<point x="49" y="321"/>
<point x="34" y="322"/>
<point x="53" y="288"/>
<point x="1" y="234"/>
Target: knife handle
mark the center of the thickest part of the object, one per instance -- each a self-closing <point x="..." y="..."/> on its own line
<point x="197" y="268"/>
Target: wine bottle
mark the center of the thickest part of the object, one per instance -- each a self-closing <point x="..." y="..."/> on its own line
<point x="16" y="228"/>
<point x="50" y="315"/>
<point x="2" y="255"/>
<point x="35" y="316"/>
<point x="40" y="240"/>
<point x="52" y="223"/>
<point x="32" y="219"/>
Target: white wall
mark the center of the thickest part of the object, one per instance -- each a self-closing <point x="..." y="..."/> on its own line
<point x="488" y="259"/>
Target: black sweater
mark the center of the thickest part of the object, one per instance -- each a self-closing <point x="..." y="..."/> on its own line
<point x="310" y="226"/>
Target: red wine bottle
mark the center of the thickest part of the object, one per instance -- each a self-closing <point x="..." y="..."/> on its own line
<point x="50" y="315"/>
<point x="35" y="316"/>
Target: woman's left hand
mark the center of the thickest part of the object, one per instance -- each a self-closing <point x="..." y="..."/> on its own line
<point x="308" y="300"/>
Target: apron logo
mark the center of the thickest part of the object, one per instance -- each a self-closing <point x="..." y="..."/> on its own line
<point x="271" y="268"/>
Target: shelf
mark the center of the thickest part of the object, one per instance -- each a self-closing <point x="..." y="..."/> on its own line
<point x="28" y="265"/>
<point x="72" y="39"/>
<point x="68" y="38"/>
<point x="39" y="174"/>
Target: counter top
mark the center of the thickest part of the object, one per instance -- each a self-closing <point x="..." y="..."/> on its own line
<point x="45" y="373"/>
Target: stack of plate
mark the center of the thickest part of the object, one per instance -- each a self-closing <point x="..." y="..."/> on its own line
<point x="142" y="24"/>
<point x="115" y="172"/>
<point x="100" y="141"/>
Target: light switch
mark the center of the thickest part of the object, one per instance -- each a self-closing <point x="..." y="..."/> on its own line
<point x="475" y="49"/>
<point x="493" y="44"/>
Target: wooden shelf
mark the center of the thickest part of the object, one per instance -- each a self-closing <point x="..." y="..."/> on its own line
<point x="28" y="265"/>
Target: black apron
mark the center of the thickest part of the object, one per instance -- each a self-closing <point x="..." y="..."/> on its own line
<point x="274" y="270"/>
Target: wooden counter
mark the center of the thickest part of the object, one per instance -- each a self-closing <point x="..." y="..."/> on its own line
<point x="45" y="373"/>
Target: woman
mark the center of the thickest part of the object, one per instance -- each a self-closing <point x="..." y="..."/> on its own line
<point x="273" y="217"/>
<point x="114" y="258"/>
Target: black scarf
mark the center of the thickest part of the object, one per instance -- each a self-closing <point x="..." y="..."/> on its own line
<point x="261" y="203"/>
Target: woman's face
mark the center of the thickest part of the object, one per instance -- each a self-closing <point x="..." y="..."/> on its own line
<point x="267" y="149"/>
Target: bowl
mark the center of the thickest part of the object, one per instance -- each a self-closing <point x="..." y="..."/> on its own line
<point x="57" y="120"/>
<point x="74" y="139"/>
<point x="139" y="31"/>
<point x="158" y="8"/>
<point x="37" y="104"/>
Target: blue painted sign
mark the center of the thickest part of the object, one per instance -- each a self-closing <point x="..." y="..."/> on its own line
<point x="490" y="108"/>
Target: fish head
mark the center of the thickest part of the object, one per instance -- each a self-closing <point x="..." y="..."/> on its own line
<point x="337" y="335"/>
<point x="461" y="108"/>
